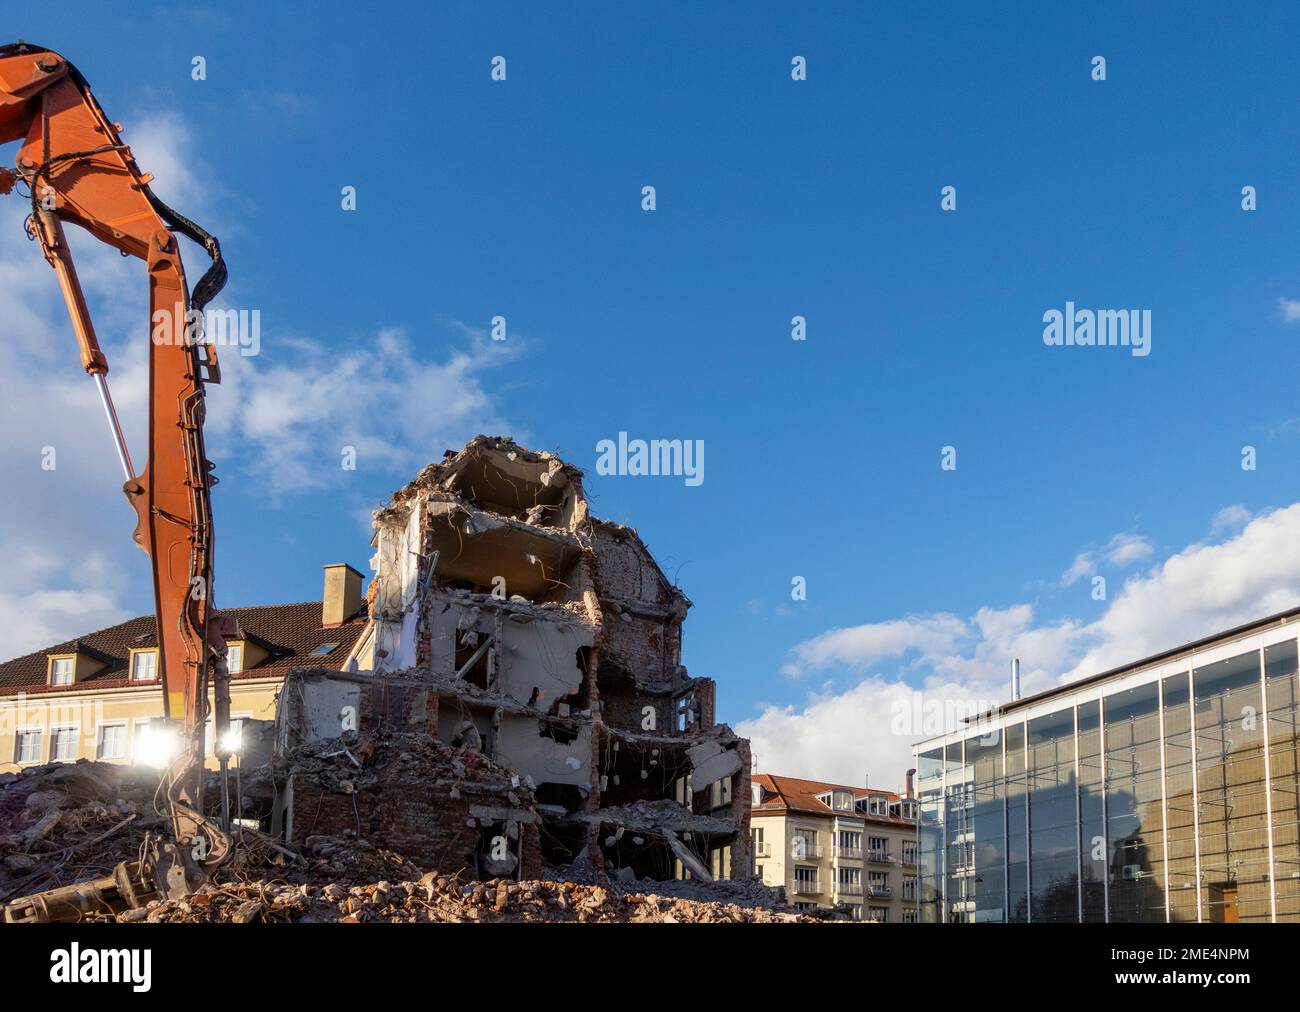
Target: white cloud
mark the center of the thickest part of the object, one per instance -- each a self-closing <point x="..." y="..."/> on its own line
<point x="284" y="418"/>
<point x="1195" y="592"/>
<point x="1125" y="549"/>
<point x="1121" y="550"/>
<point x="930" y="636"/>
<point x="1289" y="309"/>
<point x="1229" y="520"/>
<point x="280" y="419"/>
<point x="39" y="611"/>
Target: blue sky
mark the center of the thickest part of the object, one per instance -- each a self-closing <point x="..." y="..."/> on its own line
<point x="819" y="198"/>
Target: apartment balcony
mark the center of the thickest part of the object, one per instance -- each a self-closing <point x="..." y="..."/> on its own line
<point x="880" y="857"/>
<point x="849" y="853"/>
<point x="807" y="849"/>
<point x="806" y="887"/>
<point x="879" y="891"/>
<point x="850" y="889"/>
<point x="908" y="860"/>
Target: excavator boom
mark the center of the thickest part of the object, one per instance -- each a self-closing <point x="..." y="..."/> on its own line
<point x="77" y="170"/>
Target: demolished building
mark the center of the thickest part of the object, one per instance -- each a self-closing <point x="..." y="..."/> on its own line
<point x="507" y="621"/>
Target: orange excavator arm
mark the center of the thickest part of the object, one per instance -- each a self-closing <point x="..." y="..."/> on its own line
<point x="77" y="170"/>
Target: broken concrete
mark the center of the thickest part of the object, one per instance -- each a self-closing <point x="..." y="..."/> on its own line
<point x="510" y="622"/>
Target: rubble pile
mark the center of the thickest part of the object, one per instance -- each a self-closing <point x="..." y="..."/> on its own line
<point x="65" y="823"/>
<point x="56" y="829"/>
<point x="388" y="758"/>
<point x="439" y="898"/>
<point x="323" y="860"/>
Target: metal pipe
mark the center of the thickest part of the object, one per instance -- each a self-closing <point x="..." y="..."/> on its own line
<point x="119" y="440"/>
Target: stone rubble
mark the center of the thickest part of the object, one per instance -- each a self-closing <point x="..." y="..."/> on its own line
<point x="55" y="830"/>
<point x="440" y="898"/>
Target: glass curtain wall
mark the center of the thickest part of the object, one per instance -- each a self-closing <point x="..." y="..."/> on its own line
<point x="1180" y="801"/>
<point x="956" y="834"/>
<point x="1092" y="814"/>
<point x="988" y="824"/>
<point x="1283" y="712"/>
<point x="929" y="789"/>
<point x="1017" y="826"/>
<point x="1232" y="803"/>
<point x="1155" y="802"/>
<point x="1134" y="818"/>
<point x="1053" y="819"/>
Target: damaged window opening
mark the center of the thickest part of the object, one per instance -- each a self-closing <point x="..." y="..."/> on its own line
<point x="472" y="660"/>
<point x="557" y="732"/>
<point x="496" y="855"/>
<point x="559" y="796"/>
<point x="562" y="843"/>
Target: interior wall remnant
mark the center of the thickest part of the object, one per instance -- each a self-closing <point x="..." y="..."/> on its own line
<point x="399" y="552"/>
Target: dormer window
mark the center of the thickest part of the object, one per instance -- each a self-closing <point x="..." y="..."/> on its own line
<point x="144" y="665"/>
<point x="74" y="667"/>
<point x="63" y="670"/>
<point x="878" y="805"/>
<point x="235" y="658"/>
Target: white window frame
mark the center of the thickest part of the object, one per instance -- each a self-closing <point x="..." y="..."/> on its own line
<point x="99" y="740"/>
<point x="135" y="665"/>
<point x="18" y="746"/>
<point x="76" y="742"/>
<point x="235" y="649"/>
<point x="71" y="662"/>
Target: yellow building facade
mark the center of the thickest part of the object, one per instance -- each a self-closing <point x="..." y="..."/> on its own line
<point x="837" y="847"/>
<point x="93" y="697"/>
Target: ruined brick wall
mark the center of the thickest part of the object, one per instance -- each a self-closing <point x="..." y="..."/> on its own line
<point x="742" y="860"/>
<point x="623" y="570"/>
<point x="706" y="694"/>
<point x="398" y="703"/>
<point x="650" y="647"/>
<point x="421" y="822"/>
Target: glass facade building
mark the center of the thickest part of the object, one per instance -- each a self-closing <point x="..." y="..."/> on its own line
<point x="1163" y="791"/>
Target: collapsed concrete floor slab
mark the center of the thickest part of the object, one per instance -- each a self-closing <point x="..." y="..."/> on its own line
<point x="507" y="622"/>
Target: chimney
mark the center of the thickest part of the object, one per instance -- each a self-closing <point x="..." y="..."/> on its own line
<point x="342" y="597"/>
<point x="911" y="775"/>
<point x="1015" y="679"/>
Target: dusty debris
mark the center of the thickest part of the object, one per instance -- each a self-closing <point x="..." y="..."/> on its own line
<point x="329" y="878"/>
<point x="441" y="898"/>
<point x="66" y="822"/>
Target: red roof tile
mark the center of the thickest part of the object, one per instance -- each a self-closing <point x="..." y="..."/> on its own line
<point x="290" y="631"/>
<point x="795" y="795"/>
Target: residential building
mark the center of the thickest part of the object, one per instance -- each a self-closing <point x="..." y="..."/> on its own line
<point x="831" y="845"/>
<point x="93" y="697"/>
<point x="1162" y="790"/>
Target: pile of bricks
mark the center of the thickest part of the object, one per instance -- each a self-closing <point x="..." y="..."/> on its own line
<point x="441" y="898"/>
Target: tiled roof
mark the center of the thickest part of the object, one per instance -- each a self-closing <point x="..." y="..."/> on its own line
<point x="790" y="794"/>
<point x="290" y="631"/>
